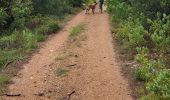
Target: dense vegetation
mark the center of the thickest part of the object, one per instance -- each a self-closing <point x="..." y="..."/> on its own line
<point x="23" y="23"/>
<point x="144" y="28"/>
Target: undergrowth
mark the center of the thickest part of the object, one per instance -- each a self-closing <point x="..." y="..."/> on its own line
<point x="143" y="28"/>
<point x="22" y="28"/>
<point x="74" y="31"/>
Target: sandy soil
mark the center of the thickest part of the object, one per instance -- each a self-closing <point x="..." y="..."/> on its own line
<point x="84" y="68"/>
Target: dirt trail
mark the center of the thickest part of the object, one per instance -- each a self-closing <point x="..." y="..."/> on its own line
<point x="89" y="64"/>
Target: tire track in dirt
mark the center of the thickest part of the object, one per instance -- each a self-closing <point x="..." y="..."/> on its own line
<point x="96" y="74"/>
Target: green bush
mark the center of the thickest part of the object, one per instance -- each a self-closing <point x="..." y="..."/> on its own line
<point x="54" y="27"/>
<point x="160" y="33"/>
<point x="145" y="25"/>
<point x="20" y="11"/>
<point x="133" y="32"/>
<point x="143" y="73"/>
<point x="9" y="55"/>
<point x="42" y="30"/>
<point x="19" y="39"/>
<point x="29" y="40"/>
<point x="40" y="37"/>
<point x="46" y="30"/>
<point x="34" y="22"/>
<point x="11" y="41"/>
<point x="48" y="26"/>
<point x="3" y="16"/>
<point x="15" y="45"/>
<point x="160" y="86"/>
<point x="56" y="7"/>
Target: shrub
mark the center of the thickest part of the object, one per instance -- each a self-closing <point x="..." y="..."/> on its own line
<point x="11" y="41"/>
<point x="142" y="73"/>
<point x="9" y="55"/>
<point x="34" y="22"/>
<point x="54" y="27"/>
<point x="56" y="7"/>
<point x="145" y="24"/>
<point x="40" y="37"/>
<point x="160" y="86"/>
<point x="3" y="16"/>
<point x="16" y="44"/>
<point x="133" y="32"/>
<point x="160" y="33"/>
<point x="49" y="26"/>
<point x="20" y="12"/>
<point x="19" y="39"/>
<point x="29" y="40"/>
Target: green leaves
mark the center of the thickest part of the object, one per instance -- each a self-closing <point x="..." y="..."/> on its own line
<point x="21" y="11"/>
<point x="159" y="31"/>
<point x="3" y="16"/>
<point x="133" y="32"/>
<point x="161" y="85"/>
<point x="55" y="7"/>
<point x="144" y="27"/>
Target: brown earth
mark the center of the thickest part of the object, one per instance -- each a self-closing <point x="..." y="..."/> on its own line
<point x="83" y="68"/>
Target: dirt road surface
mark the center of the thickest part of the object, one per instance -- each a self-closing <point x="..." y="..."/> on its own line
<point x="84" y="68"/>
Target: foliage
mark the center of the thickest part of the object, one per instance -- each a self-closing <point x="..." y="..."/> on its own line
<point x="3" y="16"/>
<point x="133" y="32"/>
<point x="14" y="13"/>
<point x="21" y="11"/>
<point x="160" y="85"/>
<point x="56" y="7"/>
<point x="48" y="26"/>
<point x="160" y="36"/>
<point x="26" y="22"/>
<point x="145" y="26"/>
<point x="14" y="46"/>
